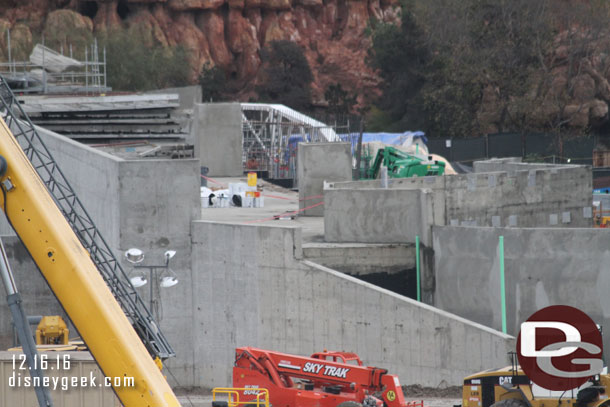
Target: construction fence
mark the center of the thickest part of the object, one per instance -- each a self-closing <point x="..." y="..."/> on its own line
<point x="531" y="147"/>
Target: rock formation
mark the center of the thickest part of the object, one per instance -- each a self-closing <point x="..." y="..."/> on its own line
<point x="226" y="33"/>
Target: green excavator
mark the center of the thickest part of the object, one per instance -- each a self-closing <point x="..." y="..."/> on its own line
<point x="403" y="165"/>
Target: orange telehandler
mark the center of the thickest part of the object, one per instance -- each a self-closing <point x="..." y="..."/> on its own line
<point x="325" y="379"/>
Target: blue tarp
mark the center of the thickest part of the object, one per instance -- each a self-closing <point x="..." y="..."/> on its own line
<point x="394" y="139"/>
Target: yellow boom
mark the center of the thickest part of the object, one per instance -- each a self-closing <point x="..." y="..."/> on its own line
<point x="76" y="282"/>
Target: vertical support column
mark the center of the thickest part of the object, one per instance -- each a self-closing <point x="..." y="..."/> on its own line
<point x="502" y="284"/>
<point x="417" y="268"/>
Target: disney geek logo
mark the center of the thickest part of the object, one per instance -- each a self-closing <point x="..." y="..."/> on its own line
<point x="560" y="348"/>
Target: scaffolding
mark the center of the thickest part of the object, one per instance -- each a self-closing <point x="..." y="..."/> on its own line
<point x="49" y="71"/>
<point x="272" y="132"/>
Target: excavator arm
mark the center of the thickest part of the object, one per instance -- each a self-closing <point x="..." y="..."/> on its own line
<point x="76" y="282"/>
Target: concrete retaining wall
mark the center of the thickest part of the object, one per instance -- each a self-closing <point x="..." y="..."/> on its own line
<point x="361" y="259"/>
<point x="217" y="133"/>
<point x="251" y="288"/>
<point x="317" y="163"/>
<point x="512" y="164"/>
<point x="94" y="176"/>
<point x="560" y="196"/>
<point x="158" y="199"/>
<point x="543" y="267"/>
<point x="377" y="215"/>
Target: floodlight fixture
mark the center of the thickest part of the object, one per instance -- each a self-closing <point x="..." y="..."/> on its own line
<point x="138" y="281"/>
<point x="134" y="255"/>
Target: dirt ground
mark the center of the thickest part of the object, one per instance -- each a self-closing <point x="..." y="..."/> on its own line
<point x="432" y="397"/>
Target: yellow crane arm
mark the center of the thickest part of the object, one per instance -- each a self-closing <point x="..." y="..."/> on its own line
<point x="76" y="282"/>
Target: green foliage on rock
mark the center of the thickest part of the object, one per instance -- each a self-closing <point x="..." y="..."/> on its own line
<point x="340" y="102"/>
<point x="286" y="75"/>
<point x="134" y="65"/>
<point x="459" y="68"/>
<point x="213" y="83"/>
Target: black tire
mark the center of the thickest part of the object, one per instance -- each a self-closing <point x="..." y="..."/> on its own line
<point x="510" y="403"/>
<point x="349" y="404"/>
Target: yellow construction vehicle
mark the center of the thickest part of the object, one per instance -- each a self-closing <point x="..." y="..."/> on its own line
<point x="35" y="208"/>
<point x="510" y="387"/>
<point x="52" y="330"/>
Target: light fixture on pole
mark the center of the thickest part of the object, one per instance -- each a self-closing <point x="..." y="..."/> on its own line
<point x="171" y="279"/>
<point x="137" y="277"/>
<point x="136" y="256"/>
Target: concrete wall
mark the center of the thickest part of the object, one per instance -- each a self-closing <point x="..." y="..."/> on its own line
<point x="94" y="176"/>
<point x="512" y="164"/>
<point x="319" y="162"/>
<point x="361" y="259"/>
<point x="147" y="204"/>
<point x="542" y="266"/>
<point x="218" y="136"/>
<point x="37" y="298"/>
<point x="560" y="196"/>
<point x="251" y="288"/>
<point x="377" y="215"/>
<point x="158" y="200"/>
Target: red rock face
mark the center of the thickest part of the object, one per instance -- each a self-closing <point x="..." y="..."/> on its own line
<point x="231" y="33"/>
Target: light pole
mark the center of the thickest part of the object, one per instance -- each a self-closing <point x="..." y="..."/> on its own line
<point x="168" y="277"/>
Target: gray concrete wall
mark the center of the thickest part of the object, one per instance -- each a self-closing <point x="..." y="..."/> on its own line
<point x="319" y="162"/>
<point x="542" y="267"/>
<point x="37" y="298"/>
<point x="512" y="164"/>
<point x="432" y="182"/>
<point x="361" y="259"/>
<point x="251" y="288"/>
<point x="560" y="196"/>
<point x="218" y="136"/>
<point x="377" y="215"/>
<point x="158" y="200"/>
<point x="94" y="176"/>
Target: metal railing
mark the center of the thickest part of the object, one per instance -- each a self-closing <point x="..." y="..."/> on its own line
<point x="233" y="395"/>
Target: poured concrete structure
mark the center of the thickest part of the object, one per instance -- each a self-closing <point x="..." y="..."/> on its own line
<point x="536" y="196"/>
<point x="318" y="163"/>
<point x="249" y="284"/>
<point x="253" y="289"/>
<point x="217" y="133"/>
<point x="358" y="259"/>
<point x="546" y="266"/>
